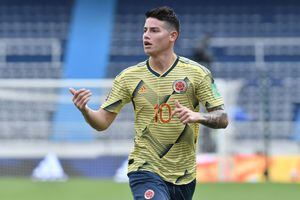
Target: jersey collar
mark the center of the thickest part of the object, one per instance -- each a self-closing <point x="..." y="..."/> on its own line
<point x="166" y="72"/>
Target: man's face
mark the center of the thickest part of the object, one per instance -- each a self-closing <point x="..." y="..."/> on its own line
<point x="156" y="38"/>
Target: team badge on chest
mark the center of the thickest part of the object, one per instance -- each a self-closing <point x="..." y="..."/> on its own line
<point x="180" y="86"/>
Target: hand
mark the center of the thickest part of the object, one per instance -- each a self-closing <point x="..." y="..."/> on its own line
<point x="185" y="115"/>
<point x="81" y="98"/>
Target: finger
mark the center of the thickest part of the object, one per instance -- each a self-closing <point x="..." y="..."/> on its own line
<point x="182" y="113"/>
<point x="80" y="94"/>
<point x="177" y="104"/>
<point x="83" y="104"/>
<point x="72" y="90"/>
<point x="185" y="119"/>
<point x="86" y="101"/>
<point x="81" y="97"/>
<point x="177" y="110"/>
<point x="173" y="113"/>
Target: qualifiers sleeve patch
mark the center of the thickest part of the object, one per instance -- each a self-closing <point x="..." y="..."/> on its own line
<point x="215" y="90"/>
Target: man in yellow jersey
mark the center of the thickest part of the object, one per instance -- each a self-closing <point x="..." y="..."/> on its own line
<point x="166" y="91"/>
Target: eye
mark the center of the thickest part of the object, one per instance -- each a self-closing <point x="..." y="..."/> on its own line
<point x="155" y="30"/>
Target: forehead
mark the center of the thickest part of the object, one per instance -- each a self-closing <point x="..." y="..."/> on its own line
<point x="153" y="22"/>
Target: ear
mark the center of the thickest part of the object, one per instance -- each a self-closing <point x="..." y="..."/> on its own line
<point x="173" y="36"/>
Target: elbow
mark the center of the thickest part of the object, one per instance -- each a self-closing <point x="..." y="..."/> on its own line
<point x="225" y="124"/>
<point x="103" y="126"/>
<point x="225" y="121"/>
<point x="97" y="127"/>
<point x="100" y="129"/>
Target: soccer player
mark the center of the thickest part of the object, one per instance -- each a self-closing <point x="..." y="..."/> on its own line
<point x="166" y="91"/>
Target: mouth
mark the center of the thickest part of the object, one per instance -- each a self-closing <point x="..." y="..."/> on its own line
<point x="147" y="44"/>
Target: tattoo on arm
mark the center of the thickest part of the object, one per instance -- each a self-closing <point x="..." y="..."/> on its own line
<point x="215" y="118"/>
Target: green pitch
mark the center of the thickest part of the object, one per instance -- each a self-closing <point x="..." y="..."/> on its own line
<point x="92" y="189"/>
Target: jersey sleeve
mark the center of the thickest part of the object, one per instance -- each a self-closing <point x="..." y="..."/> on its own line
<point x="118" y="96"/>
<point x="208" y="94"/>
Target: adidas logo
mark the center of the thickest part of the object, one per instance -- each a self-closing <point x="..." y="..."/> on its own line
<point x="142" y="90"/>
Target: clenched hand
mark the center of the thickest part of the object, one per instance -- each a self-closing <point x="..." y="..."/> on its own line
<point x="184" y="114"/>
<point x="80" y="98"/>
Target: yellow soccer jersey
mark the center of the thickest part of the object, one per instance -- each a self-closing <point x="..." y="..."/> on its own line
<point x="163" y="144"/>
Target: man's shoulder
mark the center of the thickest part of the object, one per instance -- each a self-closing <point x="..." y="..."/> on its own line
<point x="194" y="65"/>
<point x="132" y="69"/>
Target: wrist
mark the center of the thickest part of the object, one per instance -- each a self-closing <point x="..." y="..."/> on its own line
<point x="85" y="110"/>
<point x="200" y="118"/>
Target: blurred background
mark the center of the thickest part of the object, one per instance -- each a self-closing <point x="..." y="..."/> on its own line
<point x="251" y="47"/>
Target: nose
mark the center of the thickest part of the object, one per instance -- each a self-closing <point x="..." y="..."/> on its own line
<point x="146" y="35"/>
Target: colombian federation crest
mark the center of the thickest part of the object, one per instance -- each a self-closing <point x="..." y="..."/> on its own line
<point x="180" y="86"/>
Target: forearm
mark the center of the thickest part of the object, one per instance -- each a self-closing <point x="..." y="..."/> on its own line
<point x="215" y="119"/>
<point x="95" y="120"/>
<point x="100" y="119"/>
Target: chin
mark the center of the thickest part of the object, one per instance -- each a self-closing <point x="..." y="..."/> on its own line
<point x="150" y="52"/>
<point x="147" y="52"/>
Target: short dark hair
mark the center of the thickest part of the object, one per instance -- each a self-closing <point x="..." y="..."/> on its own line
<point x="165" y="14"/>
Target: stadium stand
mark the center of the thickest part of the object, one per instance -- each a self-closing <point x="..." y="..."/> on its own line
<point x="33" y="19"/>
<point x="32" y="36"/>
<point x="48" y="20"/>
<point x="227" y="19"/>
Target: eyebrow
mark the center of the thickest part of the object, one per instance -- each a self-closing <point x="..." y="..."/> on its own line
<point x="153" y="27"/>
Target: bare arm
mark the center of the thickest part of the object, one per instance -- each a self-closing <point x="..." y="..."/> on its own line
<point x="215" y="118"/>
<point x="98" y="119"/>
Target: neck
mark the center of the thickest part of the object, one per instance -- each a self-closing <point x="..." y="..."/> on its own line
<point x="161" y="63"/>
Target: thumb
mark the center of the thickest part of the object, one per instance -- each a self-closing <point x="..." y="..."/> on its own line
<point x="177" y="104"/>
<point x="72" y="90"/>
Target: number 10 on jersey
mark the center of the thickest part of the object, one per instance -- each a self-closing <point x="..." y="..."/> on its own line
<point x="158" y="113"/>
